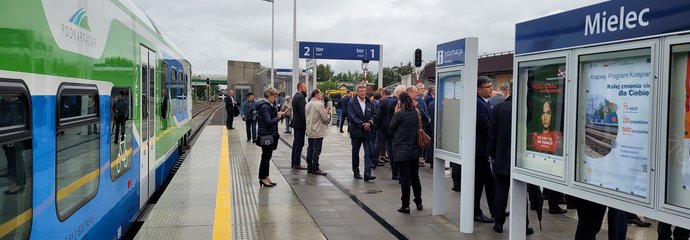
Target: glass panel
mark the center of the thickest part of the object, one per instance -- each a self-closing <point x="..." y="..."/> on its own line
<point x="678" y="163"/>
<point x="77" y="168"/>
<point x="448" y="113"/>
<point x="151" y="97"/>
<point x="613" y="125"/>
<point x="541" y="85"/>
<point x="13" y="112"/>
<point x="174" y="92"/>
<point x="78" y="105"/>
<point x="144" y="101"/>
<point x="16" y="180"/>
<point x="120" y="132"/>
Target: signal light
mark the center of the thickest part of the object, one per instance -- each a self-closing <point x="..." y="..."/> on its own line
<point x="418" y="57"/>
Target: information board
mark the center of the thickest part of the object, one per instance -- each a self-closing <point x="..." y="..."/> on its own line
<point x="615" y="133"/>
<point x="448" y="129"/>
<point x="541" y="116"/>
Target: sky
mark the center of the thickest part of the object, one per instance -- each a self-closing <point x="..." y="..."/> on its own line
<point x="211" y="32"/>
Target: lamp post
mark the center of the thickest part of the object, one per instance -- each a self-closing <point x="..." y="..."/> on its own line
<point x="295" y="60"/>
<point x="272" y="40"/>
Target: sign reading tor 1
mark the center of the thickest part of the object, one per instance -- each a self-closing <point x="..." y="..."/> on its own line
<point x="343" y="51"/>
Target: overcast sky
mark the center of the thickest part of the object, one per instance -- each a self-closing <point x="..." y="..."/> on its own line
<point x="211" y="32"/>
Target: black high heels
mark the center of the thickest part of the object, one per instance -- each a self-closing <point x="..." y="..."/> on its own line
<point x="264" y="184"/>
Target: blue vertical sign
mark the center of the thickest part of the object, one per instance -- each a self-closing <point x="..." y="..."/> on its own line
<point x="450" y="53"/>
<point x="340" y="51"/>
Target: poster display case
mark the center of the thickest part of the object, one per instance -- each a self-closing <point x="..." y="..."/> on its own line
<point x="540" y="116"/>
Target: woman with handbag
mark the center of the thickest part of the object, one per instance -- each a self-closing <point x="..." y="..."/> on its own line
<point x="405" y="127"/>
<point x="268" y="133"/>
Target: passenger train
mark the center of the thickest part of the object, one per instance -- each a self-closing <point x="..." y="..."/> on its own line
<point x="88" y="127"/>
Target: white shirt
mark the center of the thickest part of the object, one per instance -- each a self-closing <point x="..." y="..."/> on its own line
<point x="363" y="105"/>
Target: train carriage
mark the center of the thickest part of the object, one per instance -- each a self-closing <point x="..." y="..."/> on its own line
<point x="94" y="111"/>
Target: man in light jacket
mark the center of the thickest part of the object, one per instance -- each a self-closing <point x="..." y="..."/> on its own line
<point x="317" y="122"/>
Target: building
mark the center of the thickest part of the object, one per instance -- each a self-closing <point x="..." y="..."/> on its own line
<point x="242" y="78"/>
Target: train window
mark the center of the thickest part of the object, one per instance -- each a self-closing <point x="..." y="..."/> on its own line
<point x="152" y="91"/>
<point x="121" y="132"/>
<point x="15" y="160"/>
<point x="174" y="93"/>
<point x="77" y="148"/>
<point x="613" y="140"/>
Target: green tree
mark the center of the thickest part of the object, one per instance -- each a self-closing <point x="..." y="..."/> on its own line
<point x="324" y="73"/>
<point x="328" y="85"/>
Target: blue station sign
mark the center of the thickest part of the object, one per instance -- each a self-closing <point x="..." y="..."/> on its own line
<point x="450" y="53"/>
<point x="600" y="23"/>
<point x="340" y="51"/>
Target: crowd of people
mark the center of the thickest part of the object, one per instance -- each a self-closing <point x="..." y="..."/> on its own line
<point x="388" y="127"/>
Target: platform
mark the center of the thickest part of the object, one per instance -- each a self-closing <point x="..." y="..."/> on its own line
<point x="307" y="206"/>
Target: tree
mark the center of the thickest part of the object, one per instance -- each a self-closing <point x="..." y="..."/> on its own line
<point x="324" y="73"/>
<point x="328" y="85"/>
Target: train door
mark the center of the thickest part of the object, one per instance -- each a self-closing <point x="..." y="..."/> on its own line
<point x="147" y="149"/>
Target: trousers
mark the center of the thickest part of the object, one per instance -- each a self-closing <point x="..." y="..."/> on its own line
<point x="297" y="146"/>
<point x="356" y="144"/>
<point x="483" y="180"/>
<point x="590" y="217"/>
<point x="409" y="176"/>
<point x="313" y="153"/>
<point x="251" y="130"/>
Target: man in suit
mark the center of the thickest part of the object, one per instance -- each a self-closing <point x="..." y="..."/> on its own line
<point x="360" y="111"/>
<point x="230" y="105"/>
<point x="344" y="102"/>
<point x="500" y="95"/>
<point x="482" y="172"/>
<point x="385" y="116"/>
<point x="299" y="124"/>
<point x="499" y="140"/>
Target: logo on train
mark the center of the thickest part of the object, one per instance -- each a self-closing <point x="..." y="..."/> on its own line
<point x="79" y="29"/>
<point x="80" y="19"/>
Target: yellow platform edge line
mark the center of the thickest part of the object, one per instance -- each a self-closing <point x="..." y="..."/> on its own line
<point x="222" y="221"/>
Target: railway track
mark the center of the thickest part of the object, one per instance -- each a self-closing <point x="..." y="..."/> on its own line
<point x="599" y="139"/>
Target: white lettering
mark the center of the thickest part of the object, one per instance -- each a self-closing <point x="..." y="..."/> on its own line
<point x="630" y="20"/>
<point x="643" y="22"/>
<point x="601" y="23"/>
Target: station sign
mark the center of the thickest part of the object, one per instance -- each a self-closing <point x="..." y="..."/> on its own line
<point x="339" y="51"/>
<point x="600" y="23"/>
<point x="451" y="53"/>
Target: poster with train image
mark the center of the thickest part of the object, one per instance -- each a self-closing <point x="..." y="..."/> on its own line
<point x="617" y="124"/>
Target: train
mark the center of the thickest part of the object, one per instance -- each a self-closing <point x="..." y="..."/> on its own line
<point x="94" y="112"/>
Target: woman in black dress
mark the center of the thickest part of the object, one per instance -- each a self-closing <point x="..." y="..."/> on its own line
<point x="404" y="126"/>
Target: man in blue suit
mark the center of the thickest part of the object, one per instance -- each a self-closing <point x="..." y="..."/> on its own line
<point x="482" y="171"/>
<point x="360" y="112"/>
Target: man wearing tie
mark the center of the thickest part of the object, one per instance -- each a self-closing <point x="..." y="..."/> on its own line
<point x="230" y="105"/>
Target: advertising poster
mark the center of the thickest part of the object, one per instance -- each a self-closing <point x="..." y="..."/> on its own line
<point x="545" y="93"/>
<point x="615" y="154"/>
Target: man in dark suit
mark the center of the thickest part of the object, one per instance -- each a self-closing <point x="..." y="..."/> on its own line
<point x="360" y="111"/>
<point x="344" y="102"/>
<point x="384" y="116"/>
<point x="230" y="105"/>
<point x="482" y="172"/>
<point x="299" y="123"/>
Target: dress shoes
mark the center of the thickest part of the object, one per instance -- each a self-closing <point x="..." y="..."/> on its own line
<point x="483" y="219"/>
<point x="357" y="176"/>
<point x="248" y="140"/>
<point x="455" y="189"/>
<point x="529" y="231"/>
<point x="368" y="177"/>
<point x="420" y="207"/>
<point x="638" y="222"/>
<point x="557" y="211"/>
<point x="319" y="172"/>
<point x="405" y="210"/>
<point x="299" y="167"/>
<point x="380" y="163"/>
<point x="395" y="178"/>
<point x="498" y="228"/>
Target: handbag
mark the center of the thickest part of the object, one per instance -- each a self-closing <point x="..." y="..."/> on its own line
<point x="422" y="138"/>
<point x="267" y="140"/>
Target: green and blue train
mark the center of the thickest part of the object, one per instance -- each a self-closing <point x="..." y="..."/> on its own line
<point x="65" y="172"/>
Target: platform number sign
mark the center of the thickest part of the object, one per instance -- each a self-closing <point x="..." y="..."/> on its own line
<point x="340" y="51"/>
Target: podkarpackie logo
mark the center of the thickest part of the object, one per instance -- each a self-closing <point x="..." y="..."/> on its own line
<point x="80" y="19"/>
<point x="82" y="32"/>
